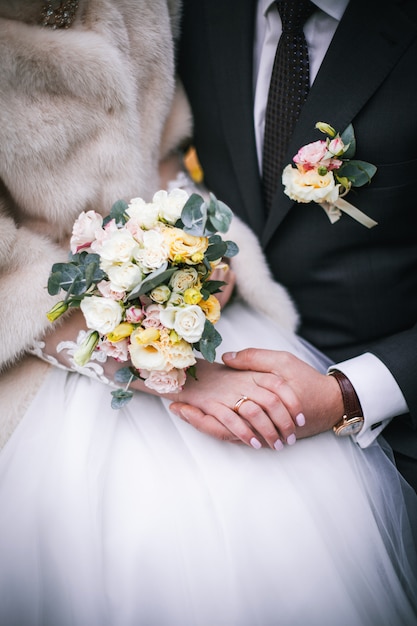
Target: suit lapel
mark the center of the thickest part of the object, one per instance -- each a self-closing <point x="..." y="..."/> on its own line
<point x="231" y="26"/>
<point x="382" y="34"/>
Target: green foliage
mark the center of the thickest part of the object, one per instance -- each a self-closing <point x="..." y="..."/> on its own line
<point x="210" y="340"/>
<point x="358" y="172"/>
<point x="77" y="276"/>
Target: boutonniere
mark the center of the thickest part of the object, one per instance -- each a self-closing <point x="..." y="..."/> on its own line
<point x="325" y="171"/>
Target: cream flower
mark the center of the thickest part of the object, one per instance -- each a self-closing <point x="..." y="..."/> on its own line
<point x="124" y="277"/>
<point x="188" y="322"/>
<point x="101" y="314"/>
<point x="160" y="294"/>
<point x="144" y="214"/>
<point x="310" y="186"/>
<point x="119" y="247"/>
<point x="184" y="279"/>
<point x="153" y="252"/>
<point x="170" y="204"/>
<point x="146" y="351"/>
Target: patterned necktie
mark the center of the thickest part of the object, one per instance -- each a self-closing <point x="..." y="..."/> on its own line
<point x="287" y="91"/>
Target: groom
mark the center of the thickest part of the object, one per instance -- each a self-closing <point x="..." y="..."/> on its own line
<point x="355" y="288"/>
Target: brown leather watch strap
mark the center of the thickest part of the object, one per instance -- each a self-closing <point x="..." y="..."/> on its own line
<point x="352" y="406"/>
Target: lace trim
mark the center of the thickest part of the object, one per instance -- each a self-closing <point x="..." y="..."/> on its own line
<point x="92" y="369"/>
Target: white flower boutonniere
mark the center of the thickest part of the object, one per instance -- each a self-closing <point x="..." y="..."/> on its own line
<point x="325" y="172"/>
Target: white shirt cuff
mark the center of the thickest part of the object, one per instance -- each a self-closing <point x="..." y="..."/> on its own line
<point x="378" y="392"/>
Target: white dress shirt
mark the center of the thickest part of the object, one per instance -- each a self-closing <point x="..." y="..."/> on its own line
<point x="379" y="394"/>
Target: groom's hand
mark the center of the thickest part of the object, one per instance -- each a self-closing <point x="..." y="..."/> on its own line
<point x="319" y="394"/>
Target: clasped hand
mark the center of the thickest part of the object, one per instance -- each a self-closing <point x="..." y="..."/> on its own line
<point x="286" y="399"/>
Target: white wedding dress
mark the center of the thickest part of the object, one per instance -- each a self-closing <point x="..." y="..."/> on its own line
<point x="134" y="518"/>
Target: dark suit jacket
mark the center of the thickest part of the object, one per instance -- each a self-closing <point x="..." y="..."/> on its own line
<point x="356" y="289"/>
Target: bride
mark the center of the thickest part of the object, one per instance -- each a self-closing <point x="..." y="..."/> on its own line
<point x="134" y="516"/>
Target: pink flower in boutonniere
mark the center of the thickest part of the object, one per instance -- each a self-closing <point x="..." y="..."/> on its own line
<point x="325" y="172"/>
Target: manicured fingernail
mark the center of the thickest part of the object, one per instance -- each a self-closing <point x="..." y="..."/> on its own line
<point x="291" y="440"/>
<point x="255" y="443"/>
<point x="300" y="420"/>
<point x="278" y="445"/>
<point x="182" y="413"/>
<point x="229" y="355"/>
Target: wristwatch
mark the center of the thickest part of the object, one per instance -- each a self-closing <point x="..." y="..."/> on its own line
<point x="352" y="420"/>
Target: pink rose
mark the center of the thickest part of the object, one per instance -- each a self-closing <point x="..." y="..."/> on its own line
<point x="311" y="155"/>
<point x="134" y="314"/>
<point x="152" y="316"/>
<point x="165" y="382"/>
<point x="118" y="350"/>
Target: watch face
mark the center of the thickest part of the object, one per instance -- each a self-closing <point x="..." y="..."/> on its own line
<point x="349" y="427"/>
<point x="352" y="429"/>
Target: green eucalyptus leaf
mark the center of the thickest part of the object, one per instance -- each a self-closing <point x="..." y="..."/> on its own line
<point x="231" y="249"/>
<point x="71" y="277"/>
<point x="124" y="375"/>
<point x="54" y="283"/>
<point x="209" y="341"/>
<point x="156" y="278"/>
<point x="348" y="137"/>
<point x="216" y="251"/>
<point x="120" y="397"/>
<point x="194" y="215"/>
<point x="358" y="172"/>
<point x="117" y="213"/>
<point x="219" y="215"/>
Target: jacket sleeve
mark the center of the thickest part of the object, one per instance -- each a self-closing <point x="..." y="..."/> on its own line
<point x="25" y="262"/>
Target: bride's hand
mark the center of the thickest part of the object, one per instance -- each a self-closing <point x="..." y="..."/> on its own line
<point x="268" y="414"/>
<point x="319" y="394"/>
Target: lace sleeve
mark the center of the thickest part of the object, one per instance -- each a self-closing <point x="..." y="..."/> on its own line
<point x="59" y="346"/>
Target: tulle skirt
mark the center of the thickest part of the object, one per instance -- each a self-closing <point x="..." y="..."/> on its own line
<point x="132" y="517"/>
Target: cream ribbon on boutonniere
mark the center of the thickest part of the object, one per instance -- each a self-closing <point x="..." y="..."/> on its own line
<point x="325" y="173"/>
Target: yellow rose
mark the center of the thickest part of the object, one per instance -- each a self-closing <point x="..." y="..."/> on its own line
<point x="211" y="308"/>
<point x="121" y="331"/>
<point x="184" y="248"/>
<point x="192" y="296"/>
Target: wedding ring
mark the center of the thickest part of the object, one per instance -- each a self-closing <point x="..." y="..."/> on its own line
<point x="239" y="403"/>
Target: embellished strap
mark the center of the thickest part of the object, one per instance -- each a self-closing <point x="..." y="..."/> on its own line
<point x="58" y="14"/>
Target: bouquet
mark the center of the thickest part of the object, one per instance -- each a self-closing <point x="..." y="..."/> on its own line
<point x="325" y="171"/>
<point x="142" y="279"/>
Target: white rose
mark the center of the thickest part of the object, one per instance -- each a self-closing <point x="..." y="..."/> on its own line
<point x="101" y="314"/>
<point x="309" y="186"/>
<point x="188" y="322"/>
<point x="124" y="277"/>
<point x="154" y="251"/>
<point x="160" y="294"/>
<point x="120" y="247"/>
<point x="184" y="279"/>
<point x="144" y="214"/>
<point x="84" y="230"/>
<point x="170" y="205"/>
